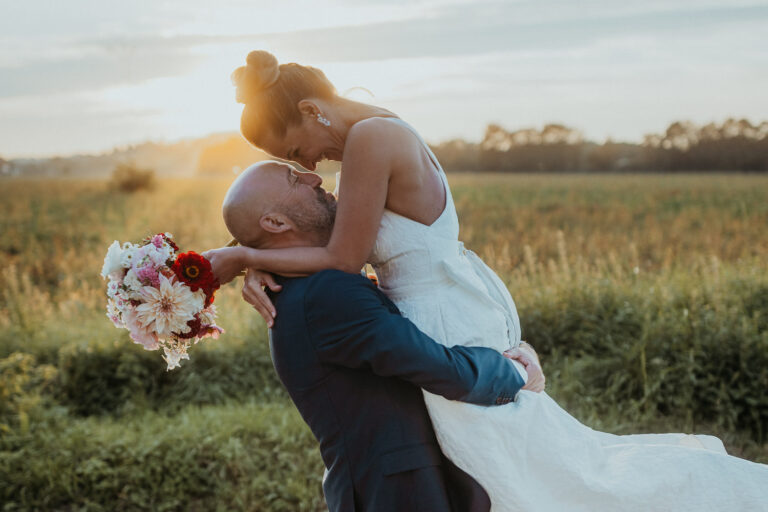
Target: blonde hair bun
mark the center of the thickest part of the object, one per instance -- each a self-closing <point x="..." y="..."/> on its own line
<point x="260" y="72"/>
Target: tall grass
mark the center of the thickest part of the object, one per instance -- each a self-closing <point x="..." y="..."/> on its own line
<point x="647" y="297"/>
<point x="240" y="456"/>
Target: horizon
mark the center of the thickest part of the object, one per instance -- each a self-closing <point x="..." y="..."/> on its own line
<point x="74" y="81"/>
<point x="193" y="138"/>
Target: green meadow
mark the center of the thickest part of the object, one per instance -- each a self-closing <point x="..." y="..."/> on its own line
<point x="645" y="295"/>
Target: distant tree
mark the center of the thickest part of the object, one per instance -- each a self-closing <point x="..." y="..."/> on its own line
<point x="554" y="148"/>
<point x="735" y="145"/>
<point x="613" y="157"/>
<point x="128" y="178"/>
<point x="458" y="155"/>
<point x="604" y="157"/>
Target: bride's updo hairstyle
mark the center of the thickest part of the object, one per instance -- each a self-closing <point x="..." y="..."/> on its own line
<point x="271" y="93"/>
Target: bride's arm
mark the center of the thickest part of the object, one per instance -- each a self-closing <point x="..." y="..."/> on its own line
<point x="367" y="162"/>
<point x="362" y="193"/>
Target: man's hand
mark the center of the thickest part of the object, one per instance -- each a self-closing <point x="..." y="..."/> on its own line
<point x="526" y="356"/>
<point x="255" y="294"/>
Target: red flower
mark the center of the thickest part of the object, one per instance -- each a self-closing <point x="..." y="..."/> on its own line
<point x="170" y="242"/>
<point x="198" y="330"/>
<point x="195" y="271"/>
<point x="195" y="328"/>
<point x="209" y="295"/>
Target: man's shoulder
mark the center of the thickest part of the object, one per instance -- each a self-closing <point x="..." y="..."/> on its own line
<point x="326" y="286"/>
<point x="324" y="299"/>
<point x="330" y="296"/>
<point x="334" y="285"/>
<point x="331" y="275"/>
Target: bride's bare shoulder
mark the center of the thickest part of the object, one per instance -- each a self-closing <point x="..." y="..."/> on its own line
<point x="384" y="133"/>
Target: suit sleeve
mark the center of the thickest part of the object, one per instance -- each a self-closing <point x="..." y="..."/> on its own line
<point x="353" y="326"/>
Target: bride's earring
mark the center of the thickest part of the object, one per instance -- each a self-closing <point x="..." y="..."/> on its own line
<point x="322" y="120"/>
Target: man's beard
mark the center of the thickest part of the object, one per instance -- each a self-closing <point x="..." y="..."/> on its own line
<point x="317" y="217"/>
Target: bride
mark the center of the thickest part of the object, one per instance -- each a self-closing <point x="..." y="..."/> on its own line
<point x="395" y="211"/>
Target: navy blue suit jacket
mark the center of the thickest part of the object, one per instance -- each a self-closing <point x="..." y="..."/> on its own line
<point x="353" y="366"/>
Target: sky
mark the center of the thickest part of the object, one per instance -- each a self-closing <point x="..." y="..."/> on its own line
<point x="84" y="76"/>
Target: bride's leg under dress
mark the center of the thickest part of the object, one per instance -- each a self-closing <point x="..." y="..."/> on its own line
<point x="531" y="455"/>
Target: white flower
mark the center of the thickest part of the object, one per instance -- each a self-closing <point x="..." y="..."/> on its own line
<point x="139" y="256"/>
<point x="208" y="315"/>
<point x="113" y="259"/>
<point x="150" y="253"/>
<point x="113" y="313"/>
<point x="159" y="256"/>
<point x="126" y="259"/>
<point x="139" y="334"/>
<point x="201" y="295"/>
<point x="168" y="309"/>
<point x="113" y="287"/>
<point x="134" y="286"/>
<point x="173" y="357"/>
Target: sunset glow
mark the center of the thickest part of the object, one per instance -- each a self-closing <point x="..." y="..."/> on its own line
<point x="84" y="76"/>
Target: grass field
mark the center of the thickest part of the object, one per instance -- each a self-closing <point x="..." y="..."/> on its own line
<point x="647" y="297"/>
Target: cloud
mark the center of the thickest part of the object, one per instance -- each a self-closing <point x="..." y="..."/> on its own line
<point x="63" y="123"/>
<point x="442" y="30"/>
<point x="487" y="27"/>
<point x="448" y="66"/>
<point x="94" y="71"/>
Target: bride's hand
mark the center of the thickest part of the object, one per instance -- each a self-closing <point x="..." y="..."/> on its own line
<point x="226" y="263"/>
<point x="527" y="348"/>
<point x="255" y="294"/>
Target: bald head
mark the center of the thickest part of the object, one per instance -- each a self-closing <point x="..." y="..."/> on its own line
<point x="247" y="199"/>
<point x="272" y="201"/>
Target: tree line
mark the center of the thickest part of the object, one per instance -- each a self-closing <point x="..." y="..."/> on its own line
<point x="734" y="145"/>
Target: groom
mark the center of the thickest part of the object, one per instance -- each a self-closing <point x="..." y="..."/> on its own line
<point x="353" y="366"/>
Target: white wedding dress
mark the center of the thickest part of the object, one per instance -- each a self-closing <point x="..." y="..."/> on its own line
<point x="531" y="455"/>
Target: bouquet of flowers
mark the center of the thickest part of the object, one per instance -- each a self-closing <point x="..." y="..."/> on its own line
<point x="163" y="297"/>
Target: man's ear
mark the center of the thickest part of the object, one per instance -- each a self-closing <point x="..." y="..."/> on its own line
<point x="275" y="223"/>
